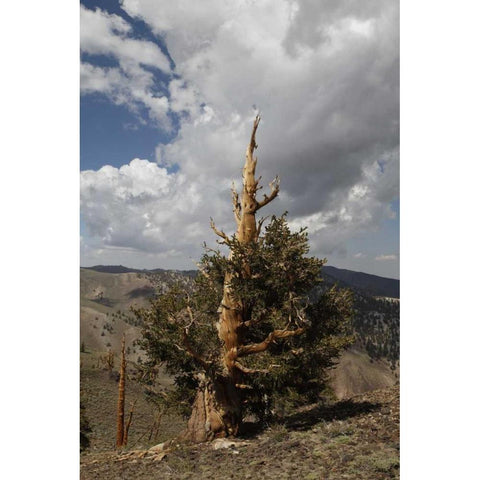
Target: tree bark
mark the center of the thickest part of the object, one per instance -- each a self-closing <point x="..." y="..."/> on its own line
<point x="121" y="399"/>
<point x="217" y="408"/>
<point x="129" y="422"/>
<point x="231" y="317"/>
<point x="215" y="411"/>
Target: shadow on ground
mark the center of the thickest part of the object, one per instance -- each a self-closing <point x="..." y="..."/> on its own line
<point x="338" y="411"/>
<point x="142" y="292"/>
<point x="104" y="301"/>
<point x="304" y="420"/>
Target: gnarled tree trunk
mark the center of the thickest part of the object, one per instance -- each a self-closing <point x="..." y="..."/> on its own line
<point x="217" y="409"/>
<point x="215" y="412"/>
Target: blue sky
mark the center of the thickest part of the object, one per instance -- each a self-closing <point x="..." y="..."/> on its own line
<point x="110" y="134"/>
<point x="168" y="94"/>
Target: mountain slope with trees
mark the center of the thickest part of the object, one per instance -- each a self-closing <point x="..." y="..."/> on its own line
<point x="103" y="321"/>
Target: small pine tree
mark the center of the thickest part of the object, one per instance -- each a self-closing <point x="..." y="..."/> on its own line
<point x="247" y="335"/>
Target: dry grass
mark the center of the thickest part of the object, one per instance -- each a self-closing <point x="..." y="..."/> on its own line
<point x="99" y="390"/>
<point x="356" y="439"/>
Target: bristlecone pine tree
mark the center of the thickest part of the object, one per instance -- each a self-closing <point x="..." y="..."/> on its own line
<point x="247" y="339"/>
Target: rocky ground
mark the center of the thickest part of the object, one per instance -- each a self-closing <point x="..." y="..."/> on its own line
<point x="352" y="439"/>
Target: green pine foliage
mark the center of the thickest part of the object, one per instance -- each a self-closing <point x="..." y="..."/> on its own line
<point x="271" y="279"/>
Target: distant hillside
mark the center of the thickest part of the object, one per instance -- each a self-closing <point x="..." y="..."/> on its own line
<point x="371" y="284"/>
<point x="122" y="269"/>
<point x="113" y="269"/>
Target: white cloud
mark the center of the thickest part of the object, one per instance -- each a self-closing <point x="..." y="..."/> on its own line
<point x="105" y="34"/>
<point x="141" y="207"/>
<point x="324" y="76"/>
<point x="129" y="84"/>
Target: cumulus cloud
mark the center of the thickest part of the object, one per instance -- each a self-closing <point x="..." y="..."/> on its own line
<point x="141" y="207"/>
<point x="130" y="84"/>
<point x="323" y="74"/>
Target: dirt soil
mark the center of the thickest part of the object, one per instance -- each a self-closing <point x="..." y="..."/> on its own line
<point x="351" y="439"/>
<point x="356" y="373"/>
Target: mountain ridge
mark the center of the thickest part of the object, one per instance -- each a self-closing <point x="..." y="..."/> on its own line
<point x="374" y="285"/>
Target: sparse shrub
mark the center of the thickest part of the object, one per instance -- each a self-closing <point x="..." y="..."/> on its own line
<point x="108" y="360"/>
<point x="342" y="439"/>
<point x="82" y="347"/>
<point x="381" y="461"/>
<point x="385" y="462"/>
<point x="339" y="430"/>
<point x="108" y="327"/>
<point x="278" y="433"/>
